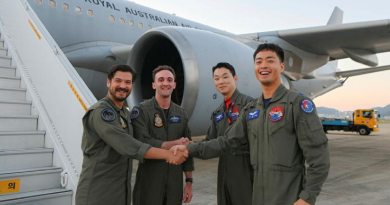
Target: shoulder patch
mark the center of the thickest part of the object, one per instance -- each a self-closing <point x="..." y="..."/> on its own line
<point x="253" y="115"/>
<point x="175" y="119"/>
<point x="108" y="115"/>
<point x="134" y="113"/>
<point x="307" y="106"/>
<point x="218" y="117"/>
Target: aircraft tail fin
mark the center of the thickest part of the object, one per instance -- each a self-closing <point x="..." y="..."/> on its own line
<point x="336" y="17"/>
<point x="351" y="73"/>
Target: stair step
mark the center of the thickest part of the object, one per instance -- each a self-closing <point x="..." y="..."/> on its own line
<point x="33" y="179"/>
<point x="9" y="82"/>
<point x="15" y="107"/>
<point x="12" y="93"/>
<point x="5" y="61"/>
<point x="22" y="140"/>
<point x="45" y="197"/>
<point x="3" y="51"/>
<point x="7" y="71"/>
<point x="18" y="123"/>
<point x="25" y="158"/>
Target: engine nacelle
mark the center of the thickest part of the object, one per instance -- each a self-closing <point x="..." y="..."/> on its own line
<point x="192" y="54"/>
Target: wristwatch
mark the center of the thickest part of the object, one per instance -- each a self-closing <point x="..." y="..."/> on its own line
<point x="189" y="180"/>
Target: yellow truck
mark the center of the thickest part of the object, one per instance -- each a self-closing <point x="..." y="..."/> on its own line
<point x="363" y="121"/>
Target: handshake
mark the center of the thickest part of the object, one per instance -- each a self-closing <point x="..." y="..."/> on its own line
<point x="179" y="151"/>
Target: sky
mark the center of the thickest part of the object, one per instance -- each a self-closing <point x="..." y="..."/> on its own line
<point x="248" y="16"/>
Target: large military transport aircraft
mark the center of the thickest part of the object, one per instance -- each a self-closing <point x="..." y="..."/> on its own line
<point x="95" y="34"/>
<point x="45" y="91"/>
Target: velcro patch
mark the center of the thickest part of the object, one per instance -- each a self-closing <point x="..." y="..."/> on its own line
<point x="219" y="117"/>
<point x="134" y="113"/>
<point x="276" y="113"/>
<point x="253" y="115"/>
<point x="307" y="106"/>
<point x="174" y="119"/>
<point x="108" y="115"/>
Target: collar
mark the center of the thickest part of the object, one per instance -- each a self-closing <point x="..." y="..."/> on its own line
<point x="108" y="99"/>
<point x="279" y="93"/>
<point x="233" y="98"/>
<point x="156" y="104"/>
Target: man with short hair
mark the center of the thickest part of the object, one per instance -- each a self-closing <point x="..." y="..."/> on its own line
<point x="108" y="145"/>
<point x="283" y="132"/>
<point x="161" y="123"/>
<point x="235" y="173"/>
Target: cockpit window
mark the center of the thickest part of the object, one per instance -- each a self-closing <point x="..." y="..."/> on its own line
<point x="52" y="4"/>
<point x="90" y="12"/>
<point x="140" y="25"/>
<point x="122" y="21"/>
<point x="112" y="18"/>
<point x="78" y="10"/>
<point x="65" y="7"/>
<point x="38" y="2"/>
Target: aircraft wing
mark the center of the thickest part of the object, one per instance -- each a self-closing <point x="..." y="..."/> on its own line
<point x="350" y="73"/>
<point x="358" y="41"/>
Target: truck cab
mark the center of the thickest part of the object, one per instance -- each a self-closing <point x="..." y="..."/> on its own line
<point x="365" y="121"/>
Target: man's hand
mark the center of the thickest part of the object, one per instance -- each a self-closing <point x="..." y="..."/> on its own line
<point x="182" y="148"/>
<point x="177" y="156"/>
<point x="187" y="194"/>
<point x="301" y="202"/>
<point x="170" y="144"/>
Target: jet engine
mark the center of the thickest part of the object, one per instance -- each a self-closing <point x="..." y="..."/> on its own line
<point x="191" y="53"/>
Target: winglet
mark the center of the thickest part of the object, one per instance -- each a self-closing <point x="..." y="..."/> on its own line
<point x="336" y="17"/>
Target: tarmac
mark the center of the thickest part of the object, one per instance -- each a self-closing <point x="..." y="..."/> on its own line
<point x="359" y="173"/>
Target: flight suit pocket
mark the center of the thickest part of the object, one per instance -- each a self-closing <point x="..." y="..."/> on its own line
<point x="253" y="147"/>
<point x="155" y="134"/>
<point x="283" y="145"/>
<point x="314" y="132"/>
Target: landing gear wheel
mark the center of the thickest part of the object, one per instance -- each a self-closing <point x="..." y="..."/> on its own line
<point x="364" y="131"/>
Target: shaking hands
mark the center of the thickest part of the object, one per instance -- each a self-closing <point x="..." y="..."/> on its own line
<point x="179" y="154"/>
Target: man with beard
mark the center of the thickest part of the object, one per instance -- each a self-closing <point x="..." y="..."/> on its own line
<point x="162" y="124"/>
<point x="108" y="145"/>
<point x="235" y="174"/>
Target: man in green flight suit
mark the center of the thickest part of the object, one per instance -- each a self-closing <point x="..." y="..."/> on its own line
<point x="283" y="132"/>
<point x="235" y="173"/>
<point x="108" y="145"/>
<point x="162" y="124"/>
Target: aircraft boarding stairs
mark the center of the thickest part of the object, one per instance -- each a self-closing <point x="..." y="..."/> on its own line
<point x="23" y="158"/>
<point x="42" y="101"/>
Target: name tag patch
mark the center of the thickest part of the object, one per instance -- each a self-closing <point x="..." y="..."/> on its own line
<point x="253" y="115"/>
<point x="219" y="117"/>
<point x="174" y="119"/>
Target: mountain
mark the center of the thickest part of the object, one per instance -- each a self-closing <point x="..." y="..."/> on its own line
<point x="385" y="111"/>
<point x="333" y="113"/>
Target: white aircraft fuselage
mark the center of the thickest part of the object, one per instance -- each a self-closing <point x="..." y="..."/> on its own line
<point x="95" y="34"/>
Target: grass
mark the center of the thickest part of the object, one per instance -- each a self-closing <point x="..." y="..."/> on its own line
<point x="384" y="121"/>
